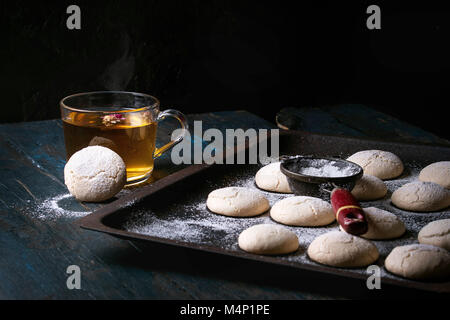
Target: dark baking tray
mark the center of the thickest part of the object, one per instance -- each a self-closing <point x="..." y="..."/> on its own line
<point x="170" y="200"/>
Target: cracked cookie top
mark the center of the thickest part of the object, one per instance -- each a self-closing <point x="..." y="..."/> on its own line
<point x="419" y="261"/>
<point x="378" y="163"/>
<point x="237" y="202"/>
<point x="421" y="196"/>
<point x="341" y="249"/>
<point x="95" y="174"/>
<point x="303" y="211"/>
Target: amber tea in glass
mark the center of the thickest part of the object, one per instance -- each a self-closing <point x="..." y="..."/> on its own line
<point x="124" y="122"/>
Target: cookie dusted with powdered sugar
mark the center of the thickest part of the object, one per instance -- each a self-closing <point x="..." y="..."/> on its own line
<point x="438" y="172"/>
<point x="95" y="174"/>
<point x="369" y="188"/>
<point x="269" y="239"/>
<point x="340" y="249"/>
<point x="303" y="211"/>
<point x="237" y="202"/>
<point x="421" y="196"/>
<point x="378" y="163"/>
<point x="436" y="233"/>
<point x="271" y="178"/>
<point x="419" y="261"/>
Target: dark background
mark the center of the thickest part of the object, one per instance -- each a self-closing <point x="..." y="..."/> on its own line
<point x="200" y="56"/>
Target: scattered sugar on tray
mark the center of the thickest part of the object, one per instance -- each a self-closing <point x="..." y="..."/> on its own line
<point x="198" y="224"/>
<point x="201" y="227"/>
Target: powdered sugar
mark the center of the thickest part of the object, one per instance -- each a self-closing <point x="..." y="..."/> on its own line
<point x="202" y="227"/>
<point x="54" y="208"/>
<point x="62" y="206"/>
<point x="327" y="168"/>
<point x="196" y="223"/>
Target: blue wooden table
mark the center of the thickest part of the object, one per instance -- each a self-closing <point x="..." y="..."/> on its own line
<point x="39" y="239"/>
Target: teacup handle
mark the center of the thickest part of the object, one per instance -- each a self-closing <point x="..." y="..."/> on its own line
<point x="184" y="125"/>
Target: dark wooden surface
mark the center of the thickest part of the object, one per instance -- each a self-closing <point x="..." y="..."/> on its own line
<point x="354" y="120"/>
<point x="36" y="252"/>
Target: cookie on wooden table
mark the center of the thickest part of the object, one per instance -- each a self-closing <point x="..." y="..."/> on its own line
<point x="95" y="174"/>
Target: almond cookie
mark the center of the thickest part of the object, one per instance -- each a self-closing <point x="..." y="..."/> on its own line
<point x="268" y="239"/>
<point x="438" y="172"/>
<point x="436" y="233"/>
<point x="378" y="163"/>
<point x="421" y="196"/>
<point x="419" y="262"/>
<point x="95" y="174"/>
<point x="237" y="202"/>
<point x="271" y="178"/>
<point x="303" y="211"/>
<point x="340" y="249"/>
<point x="369" y="188"/>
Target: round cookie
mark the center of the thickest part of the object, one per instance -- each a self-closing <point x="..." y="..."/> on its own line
<point x="270" y="239"/>
<point x="369" y="188"/>
<point x="378" y="163"/>
<point x="340" y="249"/>
<point x="303" y="211"/>
<point x="271" y="178"/>
<point x="438" y="172"/>
<point x="421" y="196"/>
<point x="382" y="225"/>
<point x="95" y="174"/>
<point x="419" y="262"/>
<point x="436" y="233"/>
<point x="237" y="202"/>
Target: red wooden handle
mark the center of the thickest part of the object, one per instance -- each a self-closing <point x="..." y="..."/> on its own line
<point x="348" y="212"/>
